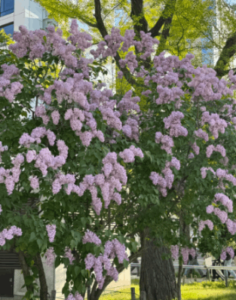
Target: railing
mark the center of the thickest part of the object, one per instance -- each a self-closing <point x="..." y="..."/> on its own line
<point x="208" y="268"/>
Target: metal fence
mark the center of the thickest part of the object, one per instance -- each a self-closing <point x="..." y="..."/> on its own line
<point x="207" y="268"/>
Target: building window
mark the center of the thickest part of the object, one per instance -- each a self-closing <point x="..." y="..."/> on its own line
<point x="7" y="7"/>
<point x="9" y="28"/>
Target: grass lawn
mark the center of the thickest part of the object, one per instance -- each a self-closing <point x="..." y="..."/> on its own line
<point x="195" y="291"/>
<point x="209" y="291"/>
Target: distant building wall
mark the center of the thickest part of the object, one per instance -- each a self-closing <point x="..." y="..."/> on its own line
<point x="27" y="13"/>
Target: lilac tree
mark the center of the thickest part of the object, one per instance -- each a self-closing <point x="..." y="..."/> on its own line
<point x="82" y="149"/>
<point x="60" y="158"/>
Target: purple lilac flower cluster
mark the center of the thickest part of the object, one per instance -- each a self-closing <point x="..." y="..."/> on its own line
<point x="218" y="148"/>
<point x="228" y="250"/>
<point x="195" y="148"/>
<point x="222" y="215"/>
<point x="111" y="250"/>
<point x="44" y="159"/>
<point x="34" y="182"/>
<point x="164" y="182"/>
<point x="50" y="256"/>
<point x="201" y="134"/>
<point x="114" y="175"/>
<point x="68" y="254"/>
<point x="221" y="174"/>
<point x="91" y="237"/>
<point x="9" y="89"/>
<point x="167" y="142"/>
<point x="51" y="229"/>
<point x="202" y="224"/>
<point x="184" y="252"/>
<point x="203" y="81"/>
<point x="174" y="124"/>
<point x="11" y="176"/>
<point x="76" y="118"/>
<point x="224" y="200"/>
<point x="36" y="45"/>
<point x="76" y="297"/>
<point x="216" y="124"/>
<point x="113" y="43"/>
<point x="8" y="234"/>
<point x="166" y="95"/>
<point x="128" y="155"/>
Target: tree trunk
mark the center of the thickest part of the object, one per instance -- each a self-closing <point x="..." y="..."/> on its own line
<point x="179" y="280"/>
<point x="42" y="278"/>
<point x="157" y="275"/>
<point x="26" y="272"/>
<point x="184" y="232"/>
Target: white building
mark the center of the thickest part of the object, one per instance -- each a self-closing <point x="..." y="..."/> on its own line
<point x="22" y="12"/>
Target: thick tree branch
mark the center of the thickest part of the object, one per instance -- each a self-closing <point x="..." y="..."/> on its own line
<point x="137" y="11"/>
<point x="140" y="24"/>
<point x="227" y="71"/>
<point x="42" y="278"/>
<point x="166" y="16"/>
<point x="228" y="51"/>
<point x="103" y="31"/>
<point x="25" y="270"/>
<point x="170" y="6"/>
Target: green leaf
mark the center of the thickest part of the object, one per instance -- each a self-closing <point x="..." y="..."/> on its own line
<point x="126" y="263"/>
<point x="40" y="243"/>
<point x="76" y="270"/>
<point x="24" y="113"/>
<point x="57" y="261"/>
<point x="32" y="237"/>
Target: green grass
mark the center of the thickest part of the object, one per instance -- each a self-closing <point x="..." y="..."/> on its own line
<point x="208" y="290"/>
<point x="205" y="290"/>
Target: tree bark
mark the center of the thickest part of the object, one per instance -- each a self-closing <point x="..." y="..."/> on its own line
<point x="179" y="281"/>
<point x="157" y="275"/>
<point x="26" y="271"/>
<point x="42" y="278"/>
<point x="184" y="232"/>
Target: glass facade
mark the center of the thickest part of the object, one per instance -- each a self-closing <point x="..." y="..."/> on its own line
<point x="7" y="7"/>
<point x="9" y="28"/>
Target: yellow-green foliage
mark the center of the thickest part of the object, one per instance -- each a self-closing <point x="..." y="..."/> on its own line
<point x="5" y="38"/>
<point x="190" y="18"/>
<point x="190" y="21"/>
